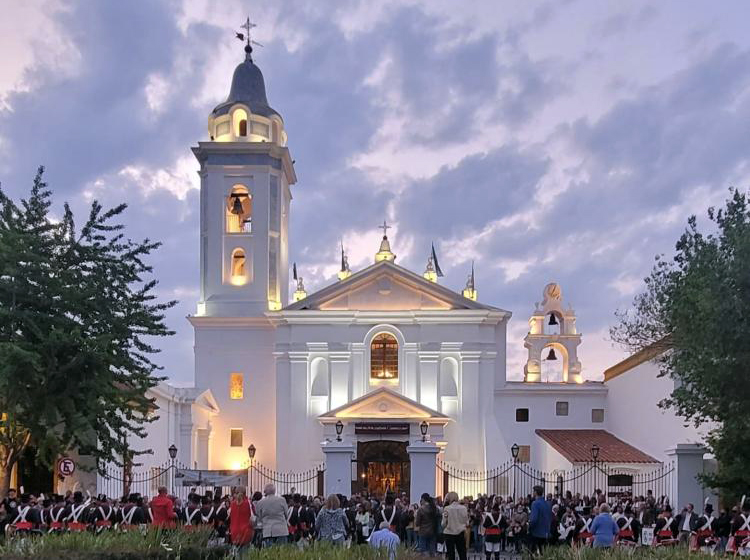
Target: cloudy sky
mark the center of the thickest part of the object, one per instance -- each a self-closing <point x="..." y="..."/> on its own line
<point x="558" y="141"/>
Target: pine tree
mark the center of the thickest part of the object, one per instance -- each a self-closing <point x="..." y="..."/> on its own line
<point x="77" y="317"/>
<point x="696" y="306"/>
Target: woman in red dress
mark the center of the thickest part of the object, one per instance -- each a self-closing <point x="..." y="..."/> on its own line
<point x="241" y="519"/>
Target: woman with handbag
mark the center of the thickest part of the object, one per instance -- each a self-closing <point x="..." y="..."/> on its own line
<point x="241" y="517"/>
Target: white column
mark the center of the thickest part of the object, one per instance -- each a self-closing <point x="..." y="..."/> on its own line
<point x="339" y="364"/>
<point x="422" y="456"/>
<point x="411" y="375"/>
<point x="284" y="454"/>
<point x="688" y="464"/>
<point x="359" y="381"/>
<point x="186" y="442"/>
<point x="298" y="437"/>
<point x="428" y="379"/>
<point x="470" y="422"/>
<point x="338" y="473"/>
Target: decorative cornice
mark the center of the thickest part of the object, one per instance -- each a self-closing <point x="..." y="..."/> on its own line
<point x="224" y="149"/>
<point x="514" y="388"/>
<point x="447" y="316"/>
<point x="206" y="321"/>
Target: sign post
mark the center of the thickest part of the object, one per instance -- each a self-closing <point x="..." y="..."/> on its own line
<point x="66" y="467"/>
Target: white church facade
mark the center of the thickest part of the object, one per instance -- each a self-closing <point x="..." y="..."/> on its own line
<point x="382" y="372"/>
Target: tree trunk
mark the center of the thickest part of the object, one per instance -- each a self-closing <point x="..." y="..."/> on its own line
<point x="6" y="471"/>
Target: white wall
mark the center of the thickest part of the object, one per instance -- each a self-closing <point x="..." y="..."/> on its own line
<point x="424" y="347"/>
<point x="220" y="350"/>
<point x="540" y="399"/>
<point x="634" y="414"/>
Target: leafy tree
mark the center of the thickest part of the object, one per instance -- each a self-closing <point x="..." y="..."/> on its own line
<point x="76" y="316"/>
<point x="696" y="308"/>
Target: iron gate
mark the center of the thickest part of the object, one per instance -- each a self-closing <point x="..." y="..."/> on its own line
<point x="116" y="482"/>
<point x="518" y="479"/>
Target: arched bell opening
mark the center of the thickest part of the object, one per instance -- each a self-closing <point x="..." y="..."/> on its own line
<point x="553" y="323"/>
<point x="554" y="366"/>
<point x="239" y="210"/>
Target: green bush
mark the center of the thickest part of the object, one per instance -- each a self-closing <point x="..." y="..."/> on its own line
<point x="568" y="553"/>
<point x="156" y="544"/>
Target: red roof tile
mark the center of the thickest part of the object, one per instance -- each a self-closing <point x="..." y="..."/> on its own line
<point x="575" y="446"/>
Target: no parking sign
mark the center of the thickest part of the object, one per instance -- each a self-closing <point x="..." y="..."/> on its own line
<point x="66" y="466"/>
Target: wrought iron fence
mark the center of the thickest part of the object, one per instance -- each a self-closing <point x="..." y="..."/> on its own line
<point x="308" y="483"/>
<point x="118" y="481"/>
<point x="518" y="479"/>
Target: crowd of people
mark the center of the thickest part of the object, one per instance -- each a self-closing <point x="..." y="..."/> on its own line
<point x="487" y="524"/>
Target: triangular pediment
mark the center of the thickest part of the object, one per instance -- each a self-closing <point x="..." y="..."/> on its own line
<point x="385" y="286"/>
<point x="384" y="404"/>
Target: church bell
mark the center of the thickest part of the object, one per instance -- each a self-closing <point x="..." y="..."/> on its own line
<point x="552" y="320"/>
<point x="551" y="355"/>
<point x="237" y="206"/>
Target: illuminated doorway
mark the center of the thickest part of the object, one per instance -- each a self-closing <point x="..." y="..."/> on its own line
<point x="382" y="466"/>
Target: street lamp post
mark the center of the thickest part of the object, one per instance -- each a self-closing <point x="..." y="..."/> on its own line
<point x="595" y="455"/>
<point x="172" y="456"/>
<point x="251" y="454"/>
<point x="514" y="452"/>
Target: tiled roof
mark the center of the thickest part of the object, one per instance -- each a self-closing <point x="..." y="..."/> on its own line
<point x="575" y="446"/>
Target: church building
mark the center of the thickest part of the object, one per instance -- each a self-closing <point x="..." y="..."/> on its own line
<point x="379" y="374"/>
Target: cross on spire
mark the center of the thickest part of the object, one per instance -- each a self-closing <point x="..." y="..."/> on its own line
<point x="385" y="227"/>
<point x="247" y="26"/>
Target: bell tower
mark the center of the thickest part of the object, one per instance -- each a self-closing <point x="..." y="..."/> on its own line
<point x="246" y="172"/>
<point x="552" y="336"/>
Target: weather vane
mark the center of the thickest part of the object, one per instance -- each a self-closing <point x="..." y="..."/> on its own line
<point x="385" y="227"/>
<point x="247" y="26"/>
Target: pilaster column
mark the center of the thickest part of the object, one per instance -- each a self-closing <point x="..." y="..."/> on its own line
<point x="411" y="375"/>
<point x="471" y="424"/>
<point x="295" y="416"/>
<point x="428" y="378"/>
<point x="283" y="409"/>
<point x="339" y="363"/>
<point x="359" y="379"/>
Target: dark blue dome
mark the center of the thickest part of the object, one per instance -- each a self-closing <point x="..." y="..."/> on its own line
<point x="249" y="88"/>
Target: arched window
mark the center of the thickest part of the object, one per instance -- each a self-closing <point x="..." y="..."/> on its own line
<point x="238" y="264"/>
<point x="239" y="122"/>
<point x="239" y="210"/>
<point x="384" y="357"/>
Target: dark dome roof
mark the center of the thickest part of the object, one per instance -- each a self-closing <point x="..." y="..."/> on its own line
<point x="248" y="88"/>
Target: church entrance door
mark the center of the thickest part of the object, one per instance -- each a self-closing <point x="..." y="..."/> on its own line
<point x="382" y="466"/>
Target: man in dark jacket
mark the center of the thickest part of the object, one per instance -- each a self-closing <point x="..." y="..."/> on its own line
<point x="540" y="521"/>
<point x="685" y="523"/>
